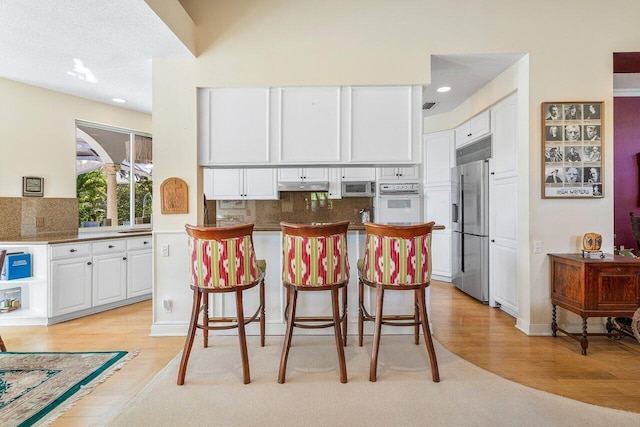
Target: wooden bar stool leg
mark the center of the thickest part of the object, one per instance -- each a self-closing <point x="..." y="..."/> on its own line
<point x="338" y="333"/>
<point x="262" y="317"/>
<point x="376" y="334"/>
<point x="416" y="317"/>
<point x="195" y="312"/>
<point x="205" y="319"/>
<point x="345" y="313"/>
<point x="2" y="346"/>
<point x="292" y="295"/>
<point x="360" y="313"/>
<point x="435" y="374"/>
<point x="242" y="337"/>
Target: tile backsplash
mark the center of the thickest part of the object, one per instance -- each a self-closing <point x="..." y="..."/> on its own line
<point x="297" y="207"/>
<point x="37" y="216"/>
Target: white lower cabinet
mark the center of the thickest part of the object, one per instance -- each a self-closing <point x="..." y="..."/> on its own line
<point x="69" y="291"/>
<point x="89" y="277"/>
<point x="139" y="267"/>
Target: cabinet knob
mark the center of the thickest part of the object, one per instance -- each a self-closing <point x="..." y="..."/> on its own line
<point x="145" y="243"/>
<point x="493" y="241"/>
<point x="124" y="258"/>
<point x="111" y="246"/>
<point x="89" y="263"/>
<point x="73" y="250"/>
<point x="618" y="269"/>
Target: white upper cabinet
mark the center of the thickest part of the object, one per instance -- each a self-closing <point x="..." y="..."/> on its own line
<point x="303" y="174"/>
<point x="439" y="158"/>
<point x="240" y="184"/>
<point x="475" y="128"/>
<point x="386" y="124"/>
<point x="309" y="125"/>
<point x="234" y="126"/>
<point x="306" y="126"/>
<point x="358" y="174"/>
<point x="410" y="173"/>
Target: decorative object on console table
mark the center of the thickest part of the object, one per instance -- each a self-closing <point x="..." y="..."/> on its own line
<point x="607" y="287"/>
<point x="173" y="192"/>
<point x="591" y="244"/>
<point x="572" y="148"/>
<point x="32" y="186"/>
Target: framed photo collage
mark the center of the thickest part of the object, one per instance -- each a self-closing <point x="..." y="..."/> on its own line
<point x="572" y="149"/>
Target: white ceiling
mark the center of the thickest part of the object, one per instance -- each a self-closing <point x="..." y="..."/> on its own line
<point x="40" y="41"/>
<point x="115" y="40"/>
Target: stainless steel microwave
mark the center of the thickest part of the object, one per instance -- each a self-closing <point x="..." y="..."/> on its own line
<point x="358" y="189"/>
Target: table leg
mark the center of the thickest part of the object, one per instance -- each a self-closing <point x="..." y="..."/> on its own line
<point x="609" y="325"/>
<point x="554" y="323"/>
<point x="584" y="343"/>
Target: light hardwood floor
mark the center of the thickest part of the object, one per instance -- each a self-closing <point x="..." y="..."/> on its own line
<point x="608" y="376"/>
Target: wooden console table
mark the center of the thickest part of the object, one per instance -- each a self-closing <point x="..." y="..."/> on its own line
<point x="606" y="287"/>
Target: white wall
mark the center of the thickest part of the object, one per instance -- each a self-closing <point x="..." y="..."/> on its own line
<point x="359" y="42"/>
<point x="38" y="134"/>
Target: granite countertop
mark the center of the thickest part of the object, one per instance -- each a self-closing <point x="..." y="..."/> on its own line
<point x="353" y="226"/>
<point x="78" y="237"/>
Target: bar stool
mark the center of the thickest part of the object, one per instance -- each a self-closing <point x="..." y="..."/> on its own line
<point x="396" y="258"/>
<point x="315" y="258"/>
<point x="223" y="261"/>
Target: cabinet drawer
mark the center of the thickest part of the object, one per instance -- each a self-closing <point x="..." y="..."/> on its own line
<point x="109" y="246"/>
<point x="139" y="243"/>
<point x="70" y="250"/>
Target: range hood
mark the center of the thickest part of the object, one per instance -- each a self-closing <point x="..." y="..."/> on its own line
<point x="304" y="186"/>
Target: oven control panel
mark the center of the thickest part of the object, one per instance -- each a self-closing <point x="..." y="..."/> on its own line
<point x="400" y="188"/>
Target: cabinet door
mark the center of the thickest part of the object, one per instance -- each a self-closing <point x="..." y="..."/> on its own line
<point x="387" y="174"/>
<point x="438" y="158"/>
<point x="260" y="184"/>
<point x="70" y="285"/>
<point x="359" y="174"/>
<point x="409" y="173"/>
<point x="290" y="175"/>
<point x="463" y="134"/>
<point x="335" y="183"/>
<point x="386" y="124"/>
<point x="109" y="282"/>
<point x="227" y="184"/>
<point x="310" y="124"/>
<point x="315" y="174"/>
<point x="480" y="125"/>
<point x="233" y="126"/>
<point x="505" y="142"/>
<point x="139" y="273"/>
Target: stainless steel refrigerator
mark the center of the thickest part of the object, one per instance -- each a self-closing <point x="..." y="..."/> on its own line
<point x="470" y="227"/>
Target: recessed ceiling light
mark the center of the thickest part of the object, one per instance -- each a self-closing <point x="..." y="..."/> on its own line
<point x="119" y="100"/>
<point x="444" y="89"/>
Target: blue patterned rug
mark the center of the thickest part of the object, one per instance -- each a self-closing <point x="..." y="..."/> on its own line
<point x="32" y="385"/>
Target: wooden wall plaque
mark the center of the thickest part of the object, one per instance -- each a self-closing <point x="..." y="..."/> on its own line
<point x="173" y="193"/>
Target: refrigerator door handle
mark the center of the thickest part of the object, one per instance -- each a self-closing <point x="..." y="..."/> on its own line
<point x="462" y="252"/>
<point x="454" y="213"/>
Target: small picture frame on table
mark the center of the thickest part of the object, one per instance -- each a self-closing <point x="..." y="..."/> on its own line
<point x="32" y="186"/>
<point x="572" y="150"/>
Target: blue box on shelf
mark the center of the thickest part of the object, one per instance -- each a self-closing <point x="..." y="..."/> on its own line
<point x="18" y="266"/>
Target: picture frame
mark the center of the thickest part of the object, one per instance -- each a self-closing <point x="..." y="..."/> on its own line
<point x="32" y="186"/>
<point x="572" y="150"/>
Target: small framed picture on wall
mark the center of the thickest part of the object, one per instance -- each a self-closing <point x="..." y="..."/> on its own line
<point x="32" y="186"/>
<point x="572" y="148"/>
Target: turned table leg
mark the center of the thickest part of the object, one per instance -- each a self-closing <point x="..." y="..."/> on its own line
<point x="584" y="343"/>
<point x="554" y="323"/>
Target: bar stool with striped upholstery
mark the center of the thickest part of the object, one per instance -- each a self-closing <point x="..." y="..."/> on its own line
<point x="222" y="260"/>
<point x="397" y="257"/>
<point x="315" y="259"/>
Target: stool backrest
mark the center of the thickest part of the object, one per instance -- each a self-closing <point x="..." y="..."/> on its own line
<point x="222" y="257"/>
<point x="314" y="255"/>
<point x="398" y="254"/>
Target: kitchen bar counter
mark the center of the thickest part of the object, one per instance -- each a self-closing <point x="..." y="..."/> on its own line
<point x="276" y="226"/>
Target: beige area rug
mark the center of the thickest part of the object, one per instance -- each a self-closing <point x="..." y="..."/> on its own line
<point x="404" y="395"/>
